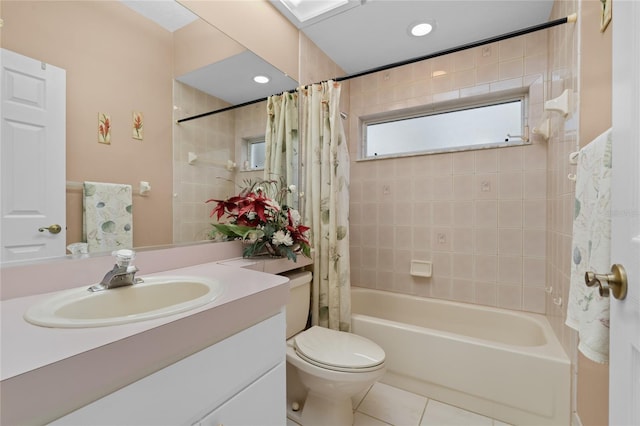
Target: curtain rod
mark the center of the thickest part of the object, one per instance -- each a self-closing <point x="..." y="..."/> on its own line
<point x="571" y="18"/>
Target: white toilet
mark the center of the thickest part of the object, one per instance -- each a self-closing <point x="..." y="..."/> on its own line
<point x="332" y="365"/>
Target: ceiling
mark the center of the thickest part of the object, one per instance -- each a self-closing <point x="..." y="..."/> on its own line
<point x="363" y="35"/>
<point x="376" y="32"/>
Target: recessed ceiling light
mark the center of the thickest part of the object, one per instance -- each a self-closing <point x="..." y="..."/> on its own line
<point x="421" y="29"/>
<point x="262" y="79"/>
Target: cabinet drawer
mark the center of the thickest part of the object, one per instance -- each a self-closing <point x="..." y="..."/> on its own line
<point x="262" y="403"/>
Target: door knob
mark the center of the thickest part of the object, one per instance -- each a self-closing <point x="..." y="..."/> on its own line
<point x="54" y="229"/>
<point x="616" y="282"/>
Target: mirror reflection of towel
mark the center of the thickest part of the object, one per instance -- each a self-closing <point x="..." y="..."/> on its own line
<point x="587" y="312"/>
<point x="107" y="216"/>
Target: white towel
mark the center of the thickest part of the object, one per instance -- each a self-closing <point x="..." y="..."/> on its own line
<point x="587" y="312"/>
<point x="107" y="214"/>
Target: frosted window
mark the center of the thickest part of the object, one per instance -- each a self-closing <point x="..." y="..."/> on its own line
<point x="256" y="155"/>
<point x="465" y="128"/>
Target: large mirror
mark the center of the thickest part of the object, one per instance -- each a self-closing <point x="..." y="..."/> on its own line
<point x="119" y="62"/>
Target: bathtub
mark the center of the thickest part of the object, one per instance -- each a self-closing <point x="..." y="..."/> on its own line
<point x="504" y="364"/>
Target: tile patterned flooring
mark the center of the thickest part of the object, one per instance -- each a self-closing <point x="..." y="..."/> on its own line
<point x="384" y="405"/>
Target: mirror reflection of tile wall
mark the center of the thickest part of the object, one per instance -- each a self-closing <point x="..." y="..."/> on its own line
<point x="212" y="140"/>
<point x="251" y="123"/>
<point x="215" y="140"/>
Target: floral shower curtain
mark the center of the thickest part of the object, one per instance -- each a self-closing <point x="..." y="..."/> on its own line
<point x="281" y="141"/>
<point x="326" y="203"/>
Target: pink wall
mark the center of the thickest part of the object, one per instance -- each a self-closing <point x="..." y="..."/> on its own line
<point x="487" y="246"/>
<point x="116" y="63"/>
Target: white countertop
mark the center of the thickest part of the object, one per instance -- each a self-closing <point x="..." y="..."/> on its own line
<point x="81" y="365"/>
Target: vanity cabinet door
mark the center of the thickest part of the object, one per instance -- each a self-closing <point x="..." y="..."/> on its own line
<point x="261" y="403"/>
<point x="189" y="389"/>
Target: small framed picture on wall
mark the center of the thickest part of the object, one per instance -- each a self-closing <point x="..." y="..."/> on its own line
<point x="104" y="128"/>
<point x="606" y="14"/>
<point x="138" y="126"/>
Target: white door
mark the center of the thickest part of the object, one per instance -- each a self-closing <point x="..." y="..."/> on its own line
<point x="32" y="158"/>
<point x="624" y="370"/>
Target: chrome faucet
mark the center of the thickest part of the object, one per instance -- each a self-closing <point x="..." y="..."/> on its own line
<point x="122" y="274"/>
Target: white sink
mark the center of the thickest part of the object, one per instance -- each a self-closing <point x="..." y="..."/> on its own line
<point x="153" y="298"/>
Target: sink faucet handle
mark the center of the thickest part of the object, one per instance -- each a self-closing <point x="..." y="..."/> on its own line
<point x="124" y="257"/>
<point x="122" y="274"/>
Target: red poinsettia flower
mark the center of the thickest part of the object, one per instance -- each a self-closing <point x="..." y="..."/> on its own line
<point x="299" y="233"/>
<point x="228" y="206"/>
<point x="255" y="203"/>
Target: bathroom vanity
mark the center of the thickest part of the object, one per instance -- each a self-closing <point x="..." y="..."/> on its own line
<point x="211" y="387"/>
<point x="203" y="366"/>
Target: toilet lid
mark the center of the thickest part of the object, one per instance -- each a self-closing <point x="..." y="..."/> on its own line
<point x="338" y="350"/>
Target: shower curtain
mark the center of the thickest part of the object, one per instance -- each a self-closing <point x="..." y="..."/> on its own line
<point x="326" y="203"/>
<point x="281" y="141"/>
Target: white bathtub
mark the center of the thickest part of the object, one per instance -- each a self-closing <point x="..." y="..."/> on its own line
<point x="503" y="364"/>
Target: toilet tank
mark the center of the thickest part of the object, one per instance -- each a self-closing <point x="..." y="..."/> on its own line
<point x="299" y="299"/>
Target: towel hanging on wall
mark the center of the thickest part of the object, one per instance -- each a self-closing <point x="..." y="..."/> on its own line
<point x="107" y="216"/>
<point x="587" y="311"/>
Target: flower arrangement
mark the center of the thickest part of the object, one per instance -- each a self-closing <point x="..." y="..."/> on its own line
<point x="260" y="218"/>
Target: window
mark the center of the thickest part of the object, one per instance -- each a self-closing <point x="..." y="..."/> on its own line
<point x="492" y="124"/>
<point x="256" y="153"/>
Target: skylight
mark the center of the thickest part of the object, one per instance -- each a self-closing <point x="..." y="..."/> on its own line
<point x="304" y="10"/>
<point x="169" y="14"/>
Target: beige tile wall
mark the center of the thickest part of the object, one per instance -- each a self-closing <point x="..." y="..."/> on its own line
<point x="212" y="139"/>
<point x="479" y="216"/>
<point x="563" y="68"/>
<point x="251" y="122"/>
<point x="215" y="139"/>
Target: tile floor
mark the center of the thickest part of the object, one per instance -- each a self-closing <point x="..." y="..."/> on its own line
<point x="384" y="405"/>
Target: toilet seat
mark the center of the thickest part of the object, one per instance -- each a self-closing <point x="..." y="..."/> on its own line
<point x="338" y="350"/>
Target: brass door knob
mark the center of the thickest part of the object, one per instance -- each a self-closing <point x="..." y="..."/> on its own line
<point x="54" y="229"/>
<point x="615" y="282"/>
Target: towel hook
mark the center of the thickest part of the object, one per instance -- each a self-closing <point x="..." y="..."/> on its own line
<point x="616" y="282"/>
